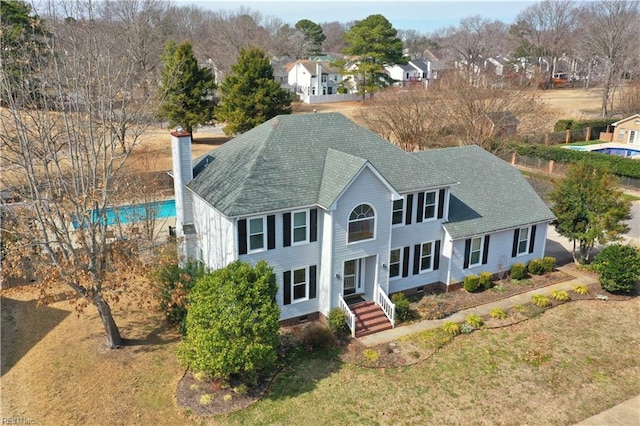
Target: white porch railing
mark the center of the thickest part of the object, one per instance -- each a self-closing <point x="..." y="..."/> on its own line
<point x="351" y="317"/>
<point x="385" y="303"/>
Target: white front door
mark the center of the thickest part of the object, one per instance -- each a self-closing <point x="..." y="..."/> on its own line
<point x="353" y="277"/>
<point x="634" y="137"/>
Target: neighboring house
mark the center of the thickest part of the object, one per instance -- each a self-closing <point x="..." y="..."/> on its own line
<point x="627" y="130"/>
<point x="338" y="211"/>
<point x="403" y="74"/>
<point x="316" y="82"/>
<point x="416" y="70"/>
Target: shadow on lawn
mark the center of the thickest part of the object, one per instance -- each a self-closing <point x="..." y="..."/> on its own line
<point x="154" y="335"/>
<point x="303" y="369"/>
<point x="23" y="326"/>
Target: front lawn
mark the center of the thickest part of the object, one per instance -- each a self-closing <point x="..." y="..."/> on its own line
<point x="559" y="367"/>
<point x="556" y="368"/>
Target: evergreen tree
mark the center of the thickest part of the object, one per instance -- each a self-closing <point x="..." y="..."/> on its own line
<point x="250" y="96"/>
<point x="187" y="90"/>
<point x="232" y="323"/>
<point x="313" y="35"/>
<point x="589" y="208"/>
<point x="24" y="50"/>
<point x="375" y="43"/>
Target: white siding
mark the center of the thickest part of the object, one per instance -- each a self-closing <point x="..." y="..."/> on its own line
<point x="326" y="274"/>
<point x="499" y="258"/>
<point x="366" y="188"/>
<point x="216" y="235"/>
<point x="288" y="258"/>
<point x="417" y="233"/>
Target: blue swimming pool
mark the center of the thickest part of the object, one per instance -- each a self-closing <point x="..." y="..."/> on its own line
<point x="622" y="152"/>
<point x="138" y="212"/>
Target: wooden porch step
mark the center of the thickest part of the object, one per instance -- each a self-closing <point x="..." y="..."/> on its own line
<point x="370" y="318"/>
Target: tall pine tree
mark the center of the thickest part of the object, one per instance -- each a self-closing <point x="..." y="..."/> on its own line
<point x="250" y="96"/>
<point x="187" y="90"/>
<point x="375" y="43"/>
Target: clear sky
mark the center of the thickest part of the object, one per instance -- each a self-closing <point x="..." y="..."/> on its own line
<point x="423" y="16"/>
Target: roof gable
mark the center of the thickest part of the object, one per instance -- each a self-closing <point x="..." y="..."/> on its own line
<point x="624" y="120"/>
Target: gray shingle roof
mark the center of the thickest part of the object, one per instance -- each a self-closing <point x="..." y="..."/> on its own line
<point x="299" y="160"/>
<point x="492" y="195"/>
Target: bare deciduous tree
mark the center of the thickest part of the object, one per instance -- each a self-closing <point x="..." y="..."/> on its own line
<point x="546" y="30"/>
<point x="334" y="31"/>
<point x="405" y="117"/>
<point x="609" y="32"/>
<point x="473" y="40"/>
<point x="453" y="111"/>
<point x="65" y="162"/>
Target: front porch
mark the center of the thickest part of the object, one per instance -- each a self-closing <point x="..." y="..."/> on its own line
<point x="365" y="317"/>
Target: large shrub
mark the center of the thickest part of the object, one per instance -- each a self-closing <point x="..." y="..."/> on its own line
<point x="549" y="263"/>
<point x="618" y="267"/>
<point x="232" y="323"/>
<point x="174" y="283"/>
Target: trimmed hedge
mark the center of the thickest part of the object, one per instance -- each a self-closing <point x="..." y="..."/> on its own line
<point x="617" y="165"/>
<point x="566" y="124"/>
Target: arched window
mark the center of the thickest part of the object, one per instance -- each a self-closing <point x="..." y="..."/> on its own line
<point x="362" y="223"/>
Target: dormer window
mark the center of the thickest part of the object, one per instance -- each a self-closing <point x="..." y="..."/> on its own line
<point x="361" y="223"/>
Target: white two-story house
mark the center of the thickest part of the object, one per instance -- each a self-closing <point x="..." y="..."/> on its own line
<point x="338" y="211"/>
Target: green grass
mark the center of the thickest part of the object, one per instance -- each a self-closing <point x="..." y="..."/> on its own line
<point x="554" y="369"/>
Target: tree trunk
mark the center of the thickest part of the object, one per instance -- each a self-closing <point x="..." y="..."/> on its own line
<point x="111" y="329"/>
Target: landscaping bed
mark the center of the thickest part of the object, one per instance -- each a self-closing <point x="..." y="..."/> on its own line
<point x="430" y="306"/>
<point x="420" y="346"/>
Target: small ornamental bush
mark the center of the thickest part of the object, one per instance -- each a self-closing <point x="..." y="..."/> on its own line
<point x="581" y="289"/>
<point x="471" y="283"/>
<point x="403" y="307"/>
<point x="466" y="328"/>
<point x="498" y="313"/>
<point x="206" y="399"/>
<point x="486" y="280"/>
<point x="474" y="321"/>
<point x="540" y="301"/>
<point x="618" y="267"/>
<point x="518" y="271"/>
<point x="548" y="263"/>
<point x="371" y="355"/>
<point x="338" y="321"/>
<point x="560" y="295"/>
<point x="241" y="389"/>
<point x="317" y="337"/>
<point x="536" y="267"/>
<point x="451" y="327"/>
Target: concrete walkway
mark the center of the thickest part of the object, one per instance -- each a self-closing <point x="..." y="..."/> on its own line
<point x="395" y="333"/>
<point x="627" y="413"/>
